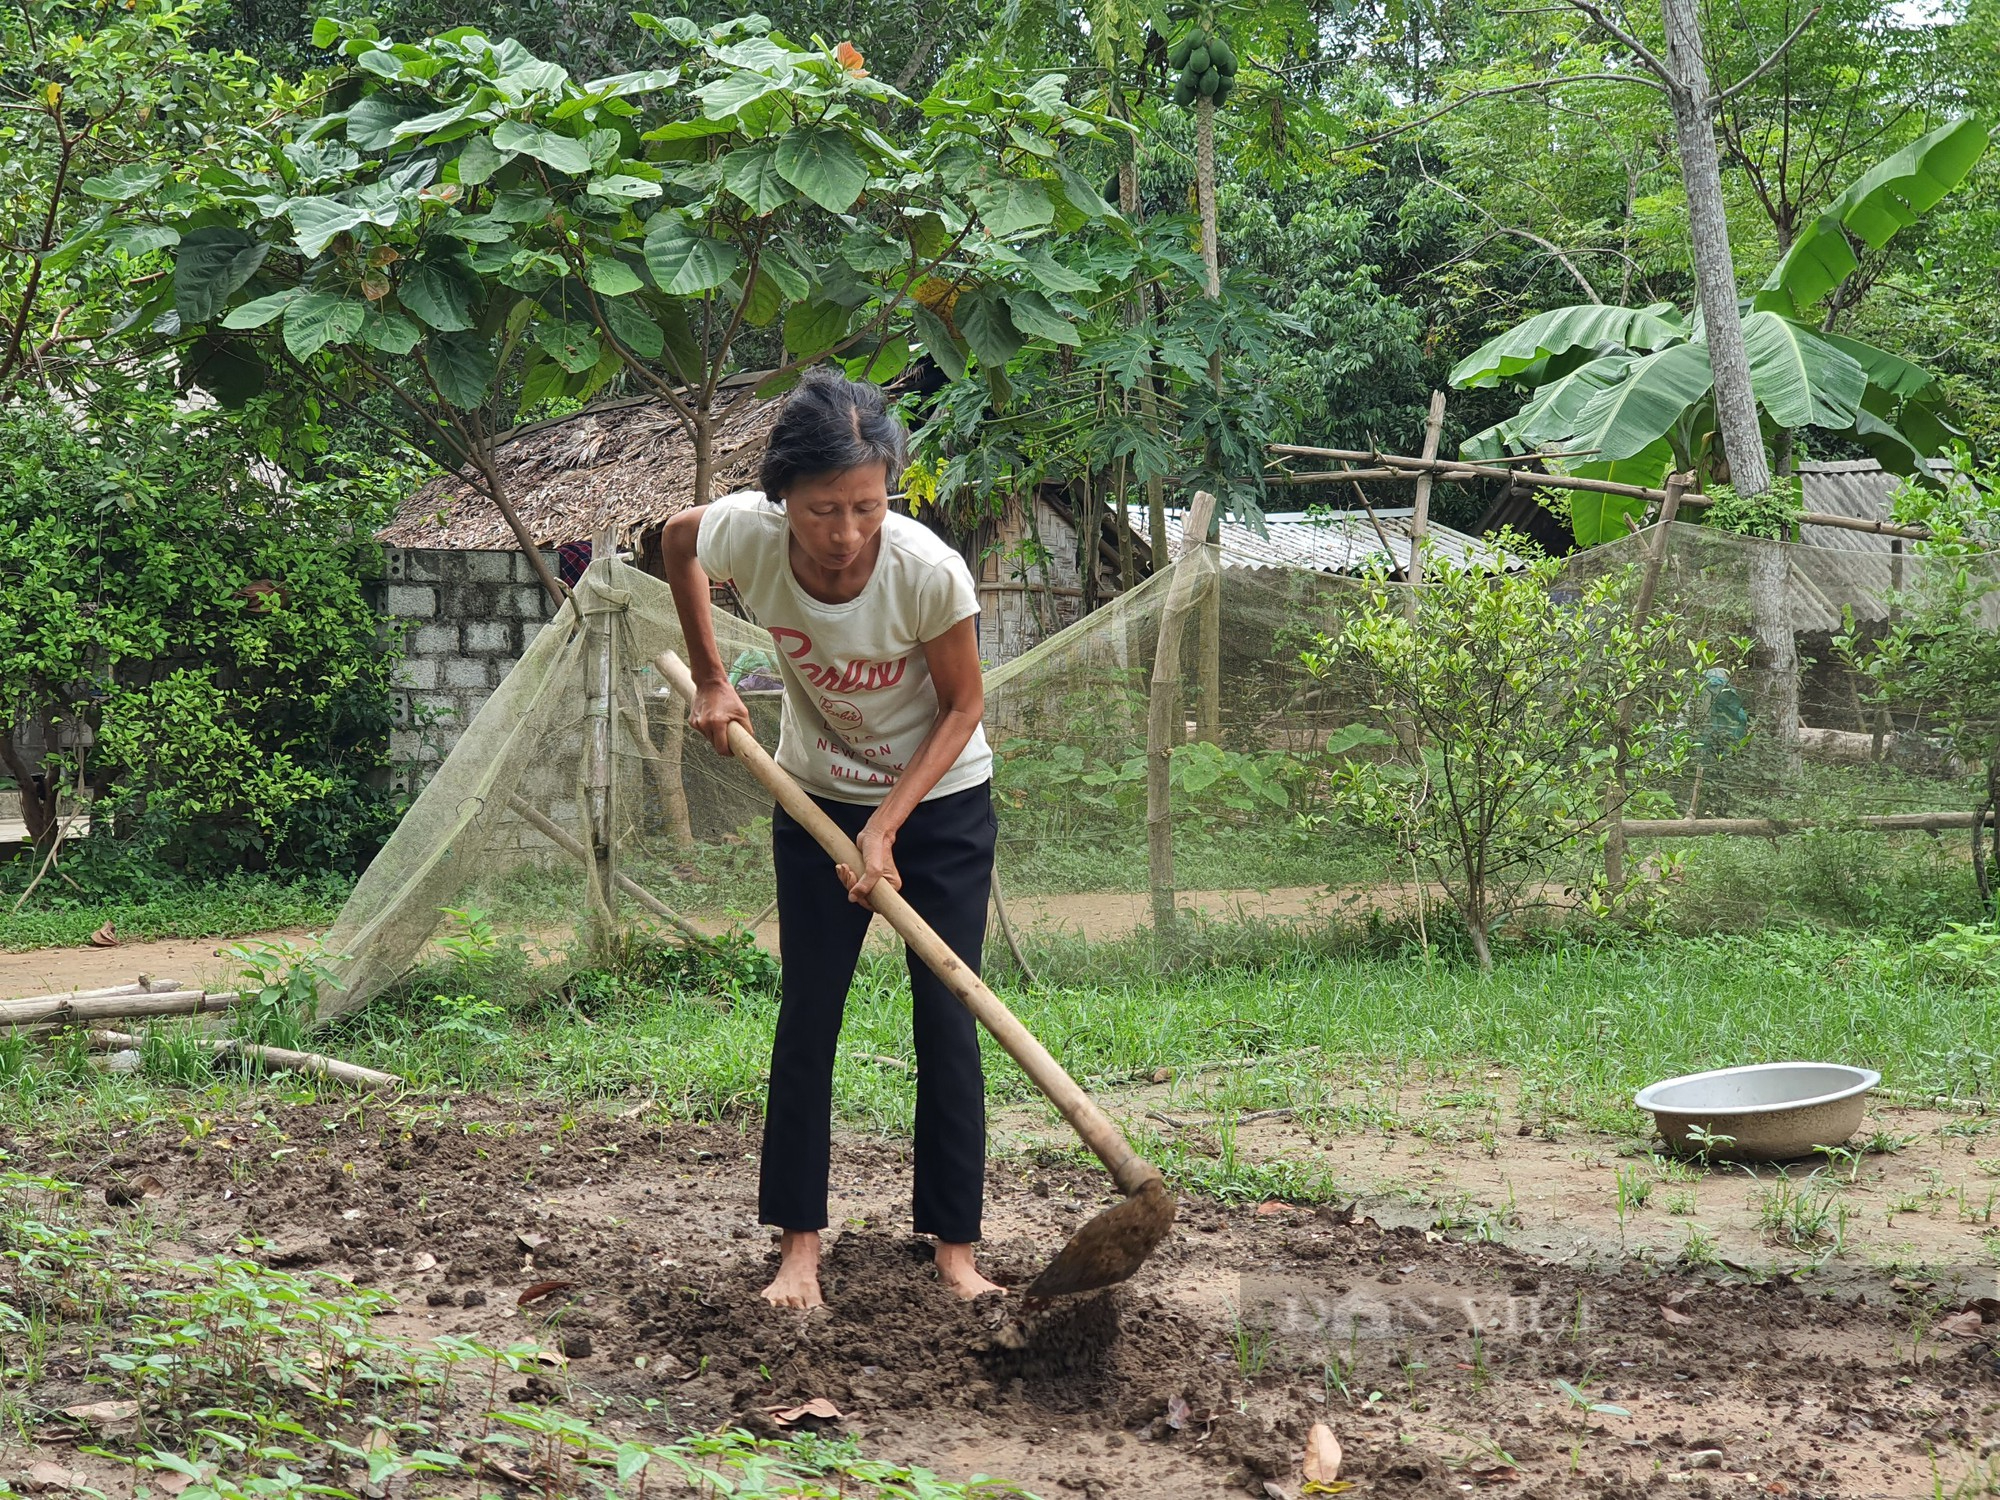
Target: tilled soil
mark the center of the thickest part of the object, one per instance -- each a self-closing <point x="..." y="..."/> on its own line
<point x="1439" y="1363"/>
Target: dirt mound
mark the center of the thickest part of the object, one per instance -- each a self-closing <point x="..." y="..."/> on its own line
<point x="891" y="1339"/>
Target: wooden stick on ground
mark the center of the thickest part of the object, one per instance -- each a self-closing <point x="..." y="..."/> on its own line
<point x="142" y="986"/>
<point x="64" y="1008"/>
<point x="274" y="1057"/>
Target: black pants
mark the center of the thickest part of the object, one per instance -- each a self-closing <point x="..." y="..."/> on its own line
<point x="945" y="855"/>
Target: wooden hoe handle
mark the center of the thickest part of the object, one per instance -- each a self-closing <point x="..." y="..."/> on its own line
<point x="1128" y="1169"/>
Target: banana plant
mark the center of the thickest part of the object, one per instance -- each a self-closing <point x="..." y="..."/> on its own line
<point x="1629" y="391"/>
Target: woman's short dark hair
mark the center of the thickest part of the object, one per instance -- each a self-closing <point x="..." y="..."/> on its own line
<point x="831" y="424"/>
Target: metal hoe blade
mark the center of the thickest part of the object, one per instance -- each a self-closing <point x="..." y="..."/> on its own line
<point x="1111" y="1246"/>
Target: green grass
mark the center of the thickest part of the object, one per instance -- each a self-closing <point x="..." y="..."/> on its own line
<point x="1583" y="1024"/>
<point x="228" y="908"/>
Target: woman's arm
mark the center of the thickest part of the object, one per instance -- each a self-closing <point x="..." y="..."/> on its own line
<point x="953" y="659"/>
<point x="715" y="702"/>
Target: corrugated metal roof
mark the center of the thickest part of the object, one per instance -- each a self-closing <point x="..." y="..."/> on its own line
<point x="1857" y="487"/>
<point x="1338" y="542"/>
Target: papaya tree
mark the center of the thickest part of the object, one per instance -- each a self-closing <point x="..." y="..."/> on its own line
<point x="473" y="233"/>
<point x="1630" y="391"/>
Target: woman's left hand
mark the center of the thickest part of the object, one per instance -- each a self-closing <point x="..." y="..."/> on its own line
<point x="878" y="857"/>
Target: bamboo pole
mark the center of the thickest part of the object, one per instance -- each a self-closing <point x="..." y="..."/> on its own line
<point x="1461" y="469"/>
<point x="601" y="863"/>
<point x="59" y="1009"/>
<point x="141" y="986"/>
<point x="1163" y="717"/>
<point x="1458" y="467"/>
<point x="1895" y="617"/>
<point x="1614" y="794"/>
<point x="1420" y="512"/>
<point x="274" y="1057"/>
<point x="556" y="834"/>
<point x="1208" y="712"/>
<point x="1770" y="828"/>
<point x="1335" y="476"/>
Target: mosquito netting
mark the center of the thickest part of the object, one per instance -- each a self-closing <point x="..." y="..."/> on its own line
<point x="577" y="807"/>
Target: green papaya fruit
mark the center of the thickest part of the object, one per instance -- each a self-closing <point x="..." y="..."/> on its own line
<point x="1198" y="60"/>
<point x="1222" y="89"/>
<point x="1178" y="54"/>
<point x="1210" y="82"/>
<point x="1184" y="93"/>
<point x="1222" y="59"/>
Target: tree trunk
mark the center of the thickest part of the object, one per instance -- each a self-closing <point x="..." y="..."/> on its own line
<point x="1208" y="711"/>
<point x="1204" y="188"/>
<point x="1136" y="312"/>
<point x="496" y="491"/>
<point x="1127" y="565"/>
<point x="704" y="457"/>
<point x="41" y="808"/>
<point x="1771" y="623"/>
<point x="1475" y="926"/>
<point x="1982" y="860"/>
<point x="1693" y="104"/>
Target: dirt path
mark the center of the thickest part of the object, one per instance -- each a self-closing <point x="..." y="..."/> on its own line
<point x="1094" y="915"/>
<point x="193" y="961"/>
<point x="1435" y="1357"/>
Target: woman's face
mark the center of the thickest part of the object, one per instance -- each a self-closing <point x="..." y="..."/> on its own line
<point x="835" y="517"/>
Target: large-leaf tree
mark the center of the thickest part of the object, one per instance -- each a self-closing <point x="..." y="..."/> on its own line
<point x="474" y="233"/>
<point x="1630" y="390"/>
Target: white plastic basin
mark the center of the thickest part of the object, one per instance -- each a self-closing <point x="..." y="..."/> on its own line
<point x="1772" y="1111"/>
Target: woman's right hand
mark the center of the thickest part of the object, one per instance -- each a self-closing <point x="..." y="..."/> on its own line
<point x="716" y="706"/>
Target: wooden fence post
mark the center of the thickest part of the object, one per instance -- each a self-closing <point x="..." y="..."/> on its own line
<point x="601" y="677"/>
<point x="1649" y="583"/>
<point x="1164" y="726"/>
<point x="1420" y="512"/>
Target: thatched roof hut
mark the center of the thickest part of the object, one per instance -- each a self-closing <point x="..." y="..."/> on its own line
<point x="627" y="462"/>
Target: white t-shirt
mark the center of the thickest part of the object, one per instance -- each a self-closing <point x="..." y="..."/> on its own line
<point x="858" y="693"/>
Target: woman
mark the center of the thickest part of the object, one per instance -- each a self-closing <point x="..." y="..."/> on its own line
<point x="873" y="620"/>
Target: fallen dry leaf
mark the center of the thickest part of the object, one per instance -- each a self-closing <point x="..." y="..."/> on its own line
<point x="105" y="937"/>
<point x="1678" y="1319"/>
<point x="1962" y="1325"/>
<point x="818" y="1407"/>
<point x="1322" y="1463"/>
<point x="172" y="1484"/>
<point x="529" y="1240"/>
<point x="423" y="1260"/>
<point x="1178" y="1412"/>
<point x="540" y="1290"/>
<point x="103" y="1411"/>
<point x="1272" y="1207"/>
<point x="39" y="1477"/>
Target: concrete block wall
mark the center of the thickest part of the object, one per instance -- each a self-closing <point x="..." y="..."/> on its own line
<point x="465" y="618"/>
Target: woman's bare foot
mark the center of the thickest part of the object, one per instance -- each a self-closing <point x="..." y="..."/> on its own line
<point x="797" y="1281"/>
<point x="956" y="1270"/>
